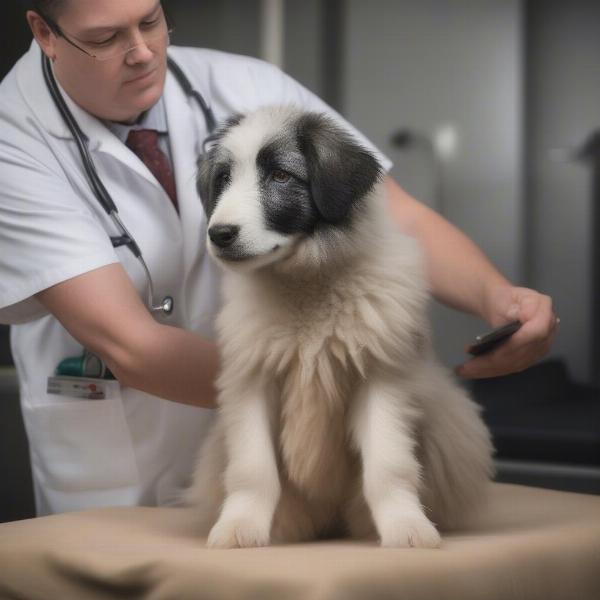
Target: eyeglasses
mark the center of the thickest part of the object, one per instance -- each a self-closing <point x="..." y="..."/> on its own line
<point x="117" y="45"/>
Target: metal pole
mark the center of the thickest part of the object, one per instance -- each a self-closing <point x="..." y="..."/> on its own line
<point x="272" y="31"/>
<point x="590" y="153"/>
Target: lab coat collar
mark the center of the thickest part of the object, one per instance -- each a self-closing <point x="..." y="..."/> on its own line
<point x="154" y="118"/>
<point x="30" y="80"/>
<point x="36" y="94"/>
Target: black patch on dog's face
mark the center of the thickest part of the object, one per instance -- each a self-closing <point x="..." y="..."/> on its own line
<point x="285" y="191"/>
<point x="312" y="174"/>
<point x="340" y="171"/>
<point x="214" y="169"/>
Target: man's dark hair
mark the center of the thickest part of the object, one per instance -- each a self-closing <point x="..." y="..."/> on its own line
<point x="50" y="9"/>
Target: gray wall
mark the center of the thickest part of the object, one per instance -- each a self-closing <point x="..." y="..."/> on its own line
<point x="230" y="25"/>
<point x="563" y="109"/>
<point x="427" y="64"/>
<point x="304" y="42"/>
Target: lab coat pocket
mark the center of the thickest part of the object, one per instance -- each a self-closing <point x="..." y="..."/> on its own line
<point x="81" y="445"/>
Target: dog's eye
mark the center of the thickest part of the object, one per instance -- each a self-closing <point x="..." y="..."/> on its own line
<point x="280" y="176"/>
<point x="221" y="180"/>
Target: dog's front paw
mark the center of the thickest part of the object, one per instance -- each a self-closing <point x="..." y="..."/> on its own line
<point x="240" y="532"/>
<point x="414" y="531"/>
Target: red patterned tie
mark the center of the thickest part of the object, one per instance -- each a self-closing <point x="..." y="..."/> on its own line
<point x="144" y="142"/>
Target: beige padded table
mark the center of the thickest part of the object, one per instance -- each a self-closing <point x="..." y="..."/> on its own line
<point x="529" y="544"/>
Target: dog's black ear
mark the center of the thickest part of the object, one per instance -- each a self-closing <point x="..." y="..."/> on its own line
<point x="207" y="173"/>
<point x="340" y="171"/>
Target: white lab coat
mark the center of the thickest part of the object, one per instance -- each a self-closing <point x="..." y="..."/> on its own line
<point x="131" y="448"/>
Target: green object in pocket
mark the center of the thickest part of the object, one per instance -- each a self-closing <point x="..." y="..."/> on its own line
<point x="86" y="365"/>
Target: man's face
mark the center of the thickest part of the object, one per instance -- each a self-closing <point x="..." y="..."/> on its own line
<point x="124" y="86"/>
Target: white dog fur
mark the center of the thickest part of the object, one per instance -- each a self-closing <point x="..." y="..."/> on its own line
<point x="334" y="417"/>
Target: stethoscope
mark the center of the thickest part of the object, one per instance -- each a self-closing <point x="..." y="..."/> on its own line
<point x="125" y="238"/>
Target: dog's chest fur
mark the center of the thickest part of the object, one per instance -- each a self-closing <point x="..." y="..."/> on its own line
<point x="316" y="386"/>
<point x="313" y="339"/>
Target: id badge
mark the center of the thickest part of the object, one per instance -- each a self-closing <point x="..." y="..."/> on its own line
<point x="87" y="388"/>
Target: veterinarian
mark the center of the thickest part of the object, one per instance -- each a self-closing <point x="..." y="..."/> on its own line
<point x="65" y="286"/>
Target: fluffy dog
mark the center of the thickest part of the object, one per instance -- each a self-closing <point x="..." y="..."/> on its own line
<point x="334" y="417"/>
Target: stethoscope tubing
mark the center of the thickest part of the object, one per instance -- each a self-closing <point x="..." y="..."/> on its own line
<point x="100" y="192"/>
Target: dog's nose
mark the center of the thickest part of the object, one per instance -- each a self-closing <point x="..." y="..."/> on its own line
<point x="223" y="235"/>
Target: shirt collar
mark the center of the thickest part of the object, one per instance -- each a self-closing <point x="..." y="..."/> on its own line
<point x="154" y="118"/>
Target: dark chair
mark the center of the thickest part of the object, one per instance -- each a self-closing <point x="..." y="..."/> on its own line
<point x="16" y="489"/>
<point x="546" y="427"/>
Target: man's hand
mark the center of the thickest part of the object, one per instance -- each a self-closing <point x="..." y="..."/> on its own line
<point x="530" y="343"/>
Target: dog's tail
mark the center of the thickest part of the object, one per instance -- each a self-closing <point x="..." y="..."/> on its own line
<point x="455" y="450"/>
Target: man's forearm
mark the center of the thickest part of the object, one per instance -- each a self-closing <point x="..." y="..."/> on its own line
<point x="102" y="310"/>
<point x="460" y="275"/>
<point x="171" y="363"/>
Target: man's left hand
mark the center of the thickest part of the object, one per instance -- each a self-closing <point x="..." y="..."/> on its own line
<point x="525" y="347"/>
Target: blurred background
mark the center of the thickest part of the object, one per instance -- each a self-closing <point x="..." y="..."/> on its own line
<point x="490" y="111"/>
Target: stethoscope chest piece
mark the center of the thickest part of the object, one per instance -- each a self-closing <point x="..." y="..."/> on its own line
<point x="166" y="306"/>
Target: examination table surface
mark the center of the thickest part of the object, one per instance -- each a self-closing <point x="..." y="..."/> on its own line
<point x="529" y="543"/>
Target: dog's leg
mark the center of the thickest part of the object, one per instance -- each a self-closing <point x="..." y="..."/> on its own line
<point x="383" y="429"/>
<point x="251" y="478"/>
